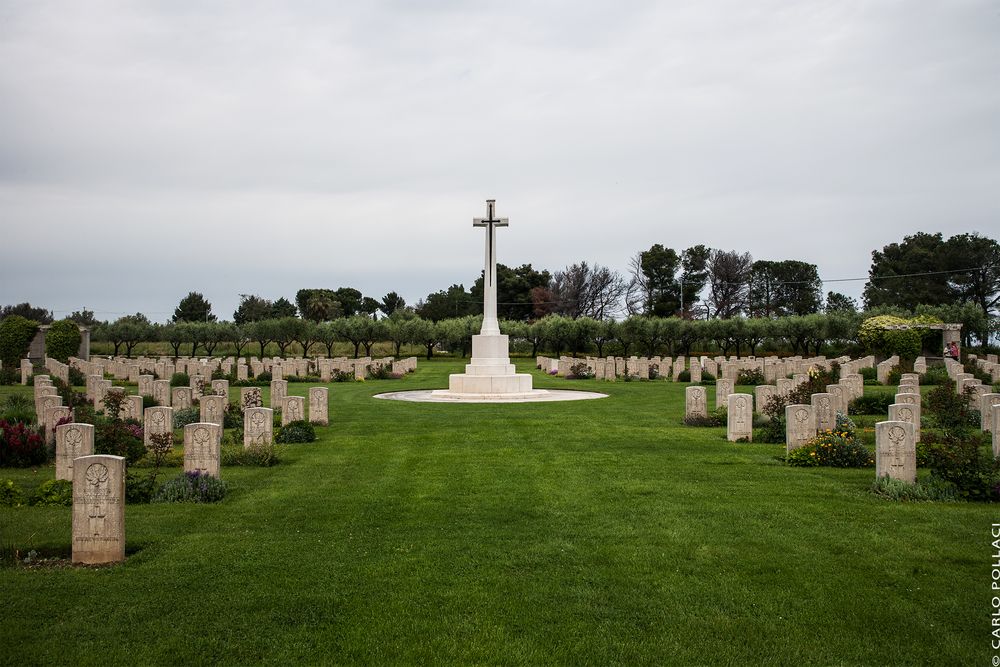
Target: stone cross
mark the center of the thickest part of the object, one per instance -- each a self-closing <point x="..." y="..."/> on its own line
<point x="73" y="440"/>
<point x="490" y="324"/>
<point x="98" y="509"/>
<point x="292" y="409"/>
<point x="202" y="442"/>
<point x="800" y="426"/>
<point x="319" y="401"/>
<point x="695" y="404"/>
<point x="823" y="408"/>
<point x="723" y="388"/>
<point x="258" y="427"/>
<point x="739" y="422"/>
<point x="895" y="451"/>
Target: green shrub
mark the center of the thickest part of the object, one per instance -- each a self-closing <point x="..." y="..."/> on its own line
<point x="895" y="489"/>
<point x="53" y="493"/>
<point x="9" y="376"/>
<point x="233" y="418"/>
<point x="139" y="489"/>
<point x="118" y="438"/>
<point x="894" y="375"/>
<point x="18" y="408"/>
<point x="16" y="334"/>
<point x="717" y="417"/>
<point x="186" y="416"/>
<point x="149" y="402"/>
<point x="580" y="371"/>
<point x="10" y="494"/>
<point x="979" y="374"/>
<point x="935" y="375"/>
<point x="684" y="376"/>
<point x="951" y="411"/>
<point x="960" y="461"/>
<point x="20" y="445"/>
<point x="707" y="378"/>
<point x="180" y="380"/>
<point x="870" y="376"/>
<point x="264" y="376"/>
<point x="315" y="378"/>
<point x="76" y="377"/>
<point x="62" y="340"/>
<point x="871" y="404"/>
<point x="191" y="487"/>
<point x="260" y="456"/>
<point x="750" y="377"/>
<point x="297" y="431"/>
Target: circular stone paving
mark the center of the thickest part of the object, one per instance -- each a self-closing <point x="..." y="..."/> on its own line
<point x="444" y="396"/>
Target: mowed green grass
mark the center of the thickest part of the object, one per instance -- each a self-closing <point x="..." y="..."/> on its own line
<point x="591" y="532"/>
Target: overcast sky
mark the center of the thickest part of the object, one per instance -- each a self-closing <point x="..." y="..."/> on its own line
<point x="152" y="149"/>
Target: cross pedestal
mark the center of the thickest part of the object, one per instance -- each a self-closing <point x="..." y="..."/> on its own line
<point x="490" y="373"/>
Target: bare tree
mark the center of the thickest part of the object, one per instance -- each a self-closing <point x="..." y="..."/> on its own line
<point x="639" y="291"/>
<point x="584" y="291"/>
<point x="728" y="280"/>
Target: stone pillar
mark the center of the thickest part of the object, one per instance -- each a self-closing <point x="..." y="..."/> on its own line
<point x="901" y="412"/>
<point x="292" y="409"/>
<point x="72" y="441"/>
<point x="221" y="388"/>
<point x="319" y="405"/>
<point x="800" y="426"/>
<point x="986" y="412"/>
<point x="258" y="426"/>
<point x="132" y="408"/>
<point x="695" y="403"/>
<point x="158" y="419"/>
<point x="180" y="398"/>
<point x="895" y="451"/>
<point x="723" y="388"/>
<point x="784" y="386"/>
<point x="202" y="448"/>
<point x="279" y="389"/>
<point x="98" y="509"/>
<point x="161" y="392"/>
<point x="996" y="431"/>
<point x="838" y="399"/>
<point x="739" y="424"/>
<point x="213" y="409"/>
<point x="695" y="371"/>
<point x="762" y="394"/>
<point x="53" y="416"/>
<point x="826" y="416"/>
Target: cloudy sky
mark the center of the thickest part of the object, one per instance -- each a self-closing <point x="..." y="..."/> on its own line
<point x="148" y="149"/>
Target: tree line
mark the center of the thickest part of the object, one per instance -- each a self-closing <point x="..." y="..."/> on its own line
<point x="813" y="334"/>
<point x="696" y="284"/>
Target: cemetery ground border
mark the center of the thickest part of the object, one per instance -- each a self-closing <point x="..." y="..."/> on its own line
<point x="614" y="536"/>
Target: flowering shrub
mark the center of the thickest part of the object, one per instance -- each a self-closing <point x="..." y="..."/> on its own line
<point x="191" y="487"/>
<point x="580" y="371"/>
<point x="837" y="447"/>
<point x="750" y="377"/>
<point x="20" y="446"/>
<point x="342" y="376"/>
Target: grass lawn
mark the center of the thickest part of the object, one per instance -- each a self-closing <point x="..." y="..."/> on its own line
<point x="589" y="532"/>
